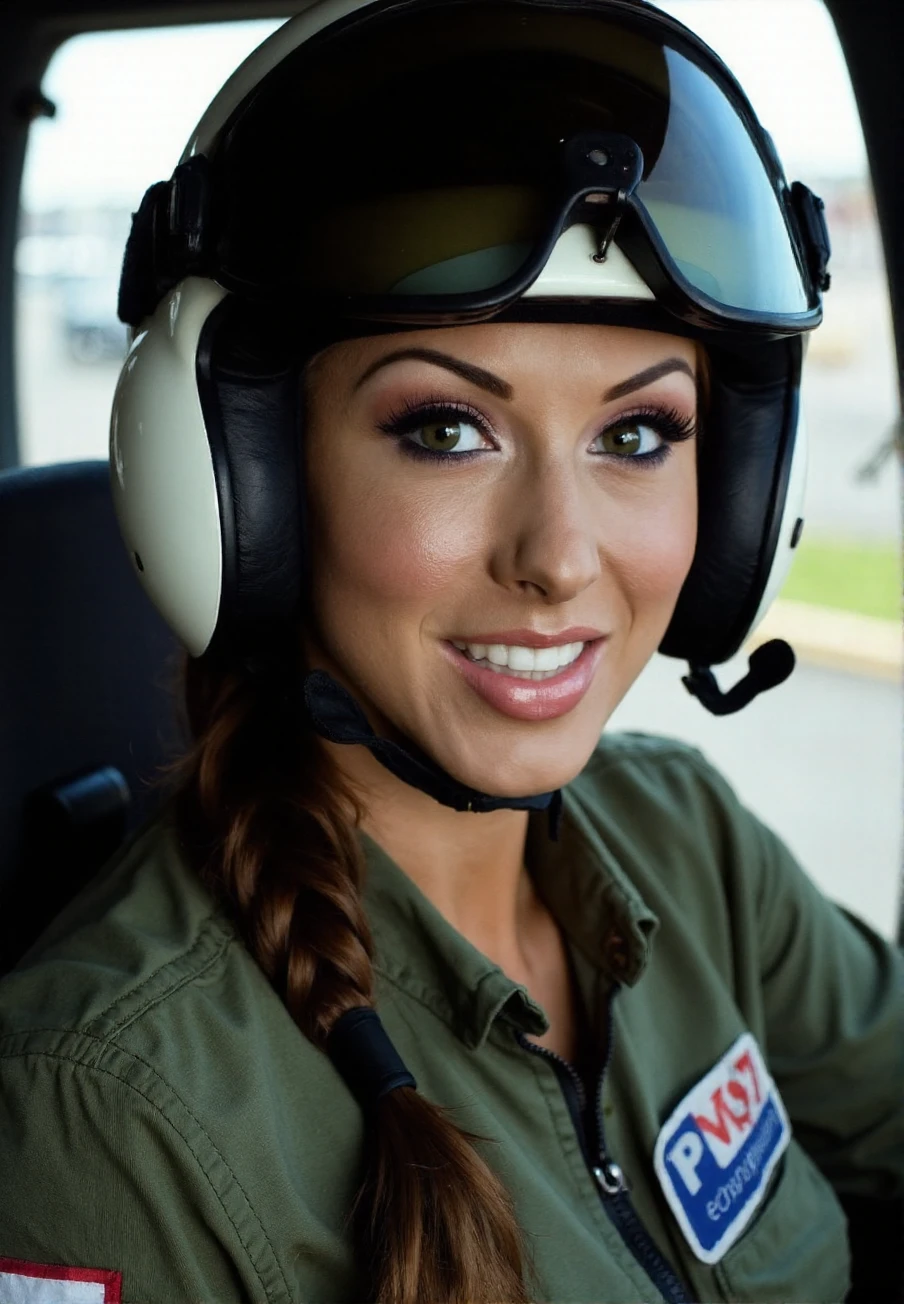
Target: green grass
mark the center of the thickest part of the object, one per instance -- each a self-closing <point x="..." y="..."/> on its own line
<point x="852" y="576"/>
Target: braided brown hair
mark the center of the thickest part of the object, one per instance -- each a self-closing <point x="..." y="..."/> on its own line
<point x="270" y="823"/>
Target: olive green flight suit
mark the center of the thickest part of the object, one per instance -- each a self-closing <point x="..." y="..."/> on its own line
<point x="162" y="1118"/>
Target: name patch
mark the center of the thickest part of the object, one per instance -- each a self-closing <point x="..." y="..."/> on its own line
<point x="716" y="1153"/>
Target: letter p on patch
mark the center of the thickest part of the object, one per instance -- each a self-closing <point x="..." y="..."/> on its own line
<point x="686" y="1154"/>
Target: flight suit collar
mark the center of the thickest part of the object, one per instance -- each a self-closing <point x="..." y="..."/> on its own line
<point x="601" y="913"/>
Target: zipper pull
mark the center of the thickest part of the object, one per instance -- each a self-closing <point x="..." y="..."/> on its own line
<point x="610" y="1178"/>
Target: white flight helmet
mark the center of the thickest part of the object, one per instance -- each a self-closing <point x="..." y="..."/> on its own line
<point x="227" y="297"/>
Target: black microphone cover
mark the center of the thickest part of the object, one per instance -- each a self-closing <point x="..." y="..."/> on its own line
<point x="768" y="665"/>
<point x="772" y="663"/>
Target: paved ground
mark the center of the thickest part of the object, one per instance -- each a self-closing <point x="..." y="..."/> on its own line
<point x="850" y="400"/>
<point x="819" y="758"/>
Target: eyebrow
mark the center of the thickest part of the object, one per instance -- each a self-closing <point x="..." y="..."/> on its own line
<point x="467" y="370"/>
<point x="646" y="377"/>
<point x="502" y="389"/>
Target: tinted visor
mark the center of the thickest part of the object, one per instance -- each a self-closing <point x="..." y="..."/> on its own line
<point x="414" y="154"/>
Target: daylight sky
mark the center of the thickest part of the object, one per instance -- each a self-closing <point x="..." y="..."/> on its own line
<point x="127" y="102"/>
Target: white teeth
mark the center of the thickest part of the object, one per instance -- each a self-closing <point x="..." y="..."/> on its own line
<point x="529" y="662"/>
<point x="519" y="658"/>
<point x="545" y="658"/>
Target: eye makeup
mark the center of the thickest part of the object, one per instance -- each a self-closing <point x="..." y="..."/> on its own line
<point x="413" y="415"/>
<point x="670" y="425"/>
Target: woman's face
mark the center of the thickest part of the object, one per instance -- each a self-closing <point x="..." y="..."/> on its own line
<point x="502" y="517"/>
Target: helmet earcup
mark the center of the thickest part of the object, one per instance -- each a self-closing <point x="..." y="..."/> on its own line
<point x="204" y="446"/>
<point x="747" y="514"/>
<point x="165" y="489"/>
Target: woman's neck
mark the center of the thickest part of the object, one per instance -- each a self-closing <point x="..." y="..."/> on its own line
<point x="471" y="868"/>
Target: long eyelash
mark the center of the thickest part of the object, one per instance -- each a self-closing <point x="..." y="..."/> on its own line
<point x="413" y="413"/>
<point x="674" y="427"/>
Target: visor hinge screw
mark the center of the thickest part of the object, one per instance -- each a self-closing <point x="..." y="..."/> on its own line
<point x="606" y="239"/>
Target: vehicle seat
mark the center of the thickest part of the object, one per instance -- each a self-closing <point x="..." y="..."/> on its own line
<point x="87" y="692"/>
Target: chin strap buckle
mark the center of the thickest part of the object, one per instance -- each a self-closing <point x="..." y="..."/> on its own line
<point x="769" y="665"/>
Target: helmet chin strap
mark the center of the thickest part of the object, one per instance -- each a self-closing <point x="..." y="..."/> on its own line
<point x="336" y="716"/>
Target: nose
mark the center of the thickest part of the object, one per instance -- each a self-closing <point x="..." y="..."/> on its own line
<point x="548" y="536"/>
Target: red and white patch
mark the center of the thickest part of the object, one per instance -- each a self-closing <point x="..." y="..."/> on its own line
<point x="22" y="1282"/>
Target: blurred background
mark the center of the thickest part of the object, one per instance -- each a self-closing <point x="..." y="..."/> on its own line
<point x="819" y="758"/>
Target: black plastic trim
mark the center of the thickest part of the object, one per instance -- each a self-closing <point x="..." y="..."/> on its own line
<point x="205" y="372"/>
<point x="637" y="236"/>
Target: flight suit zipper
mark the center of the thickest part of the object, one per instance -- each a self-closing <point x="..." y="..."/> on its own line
<point x="611" y="1182"/>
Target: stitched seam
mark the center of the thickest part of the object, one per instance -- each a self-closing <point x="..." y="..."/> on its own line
<point x="600" y="766"/>
<point x="653" y="746"/>
<point x="169" y="991"/>
<point x="441" y="1010"/>
<point x="703" y="770"/>
<point x="59" y="1032"/>
<point x="446" y="1014"/>
<point x="547" y="1093"/>
<point x="94" y="1068"/>
<point x="623" y="1255"/>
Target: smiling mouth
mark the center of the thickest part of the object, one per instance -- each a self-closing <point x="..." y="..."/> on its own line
<point x="521" y="662"/>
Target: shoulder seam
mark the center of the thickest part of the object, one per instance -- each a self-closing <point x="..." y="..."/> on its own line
<point x="130" y="1086"/>
<point x="710" y="777"/>
<point x="662" y="750"/>
<point x="134" y="992"/>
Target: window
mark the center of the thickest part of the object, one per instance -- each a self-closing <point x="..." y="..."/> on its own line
<point x="126" y="105"/>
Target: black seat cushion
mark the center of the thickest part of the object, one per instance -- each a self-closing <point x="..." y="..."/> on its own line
<point x="87" y="673"/>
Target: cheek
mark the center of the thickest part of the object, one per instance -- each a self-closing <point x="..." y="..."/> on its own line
<point x="392" y="545"/>
<point x="653" y="553"/>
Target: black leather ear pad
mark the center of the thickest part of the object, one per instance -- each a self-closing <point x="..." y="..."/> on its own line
<point x="744" y="469"/>
<point x="249" y="384"/>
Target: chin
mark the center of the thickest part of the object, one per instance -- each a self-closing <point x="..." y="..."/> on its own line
<point x="521" y="771"/>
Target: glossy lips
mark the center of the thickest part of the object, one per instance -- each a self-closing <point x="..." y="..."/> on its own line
<point x="519" y="694"/>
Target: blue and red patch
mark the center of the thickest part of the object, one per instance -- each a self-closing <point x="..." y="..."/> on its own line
<point x="716" y="1153"/>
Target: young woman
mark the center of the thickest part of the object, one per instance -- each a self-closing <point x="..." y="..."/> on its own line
<point x="468" y="345"/>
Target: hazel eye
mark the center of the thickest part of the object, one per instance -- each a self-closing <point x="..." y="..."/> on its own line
<point x="438" y="431"/>
<point x="446" y="436"/>
<point x="631" y="438"/>
<point x="441" y="437"/>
